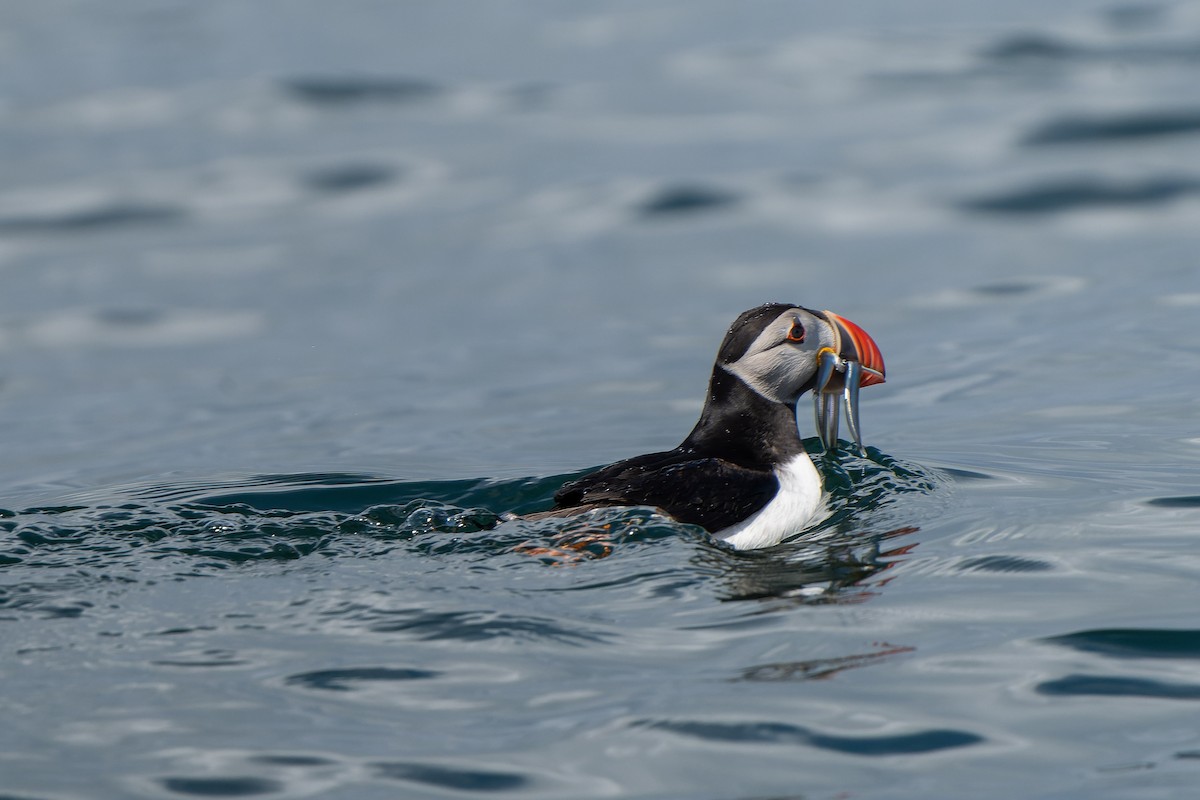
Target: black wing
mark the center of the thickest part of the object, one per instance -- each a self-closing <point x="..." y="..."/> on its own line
<point x="708" y="492"/>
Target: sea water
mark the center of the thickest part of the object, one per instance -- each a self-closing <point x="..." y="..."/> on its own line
<point x="300" y="301"/>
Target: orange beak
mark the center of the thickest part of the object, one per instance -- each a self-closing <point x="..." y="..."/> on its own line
<point x="857" y="345"/>
<point x="856" y="361"/>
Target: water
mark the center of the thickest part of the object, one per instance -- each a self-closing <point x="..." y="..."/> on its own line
<point x="298" y="301"/>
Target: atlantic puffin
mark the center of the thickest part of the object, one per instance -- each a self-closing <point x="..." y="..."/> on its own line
<point x="743" y="473"/>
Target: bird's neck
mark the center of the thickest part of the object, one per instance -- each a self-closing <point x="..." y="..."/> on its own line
<point x="740" y="425"/>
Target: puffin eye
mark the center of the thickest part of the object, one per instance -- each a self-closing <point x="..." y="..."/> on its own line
<point x="796" y="333"/>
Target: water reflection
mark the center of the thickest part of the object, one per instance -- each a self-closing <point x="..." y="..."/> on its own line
<point x="841" y="569"/>
<point x="820" y="668"/>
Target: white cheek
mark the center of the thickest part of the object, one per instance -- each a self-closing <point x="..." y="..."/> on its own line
<point x="776" y="374"/>
<point x="761" y="372"/>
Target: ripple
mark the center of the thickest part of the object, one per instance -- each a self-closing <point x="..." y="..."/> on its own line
<point x="1106" y="686"/>
<point x="290" y="760"/>
<point x="967" y="475"/>
<point x="183" y="631"/>
<point x="338" y="91"/>
<point x="1072" y="194"/>
<point x="478" y="626"/>
<point x="206" y="659"/>
<point x="343" y="492"/>
<point x="874" y="487"/>
<point x="345" y="178"/>
<point x="1115" y="127"/>
<point x="344" y="680"/>
<point x="60" y="557"/>
<point x="221" y="787"/>
<point x="103" y="217"/>
<point x="130" y="327"/>
<point x="1031" y="46"/>
<point x="51" y="552"/>
<point x="1002" y="563"/>
<point x="676" y="201"/>
<point x="1184" y="501"/>
<point x="1006" y="289"/>
<point x="1025" y="288"/>
<point x="1133" y="642"/>
<point x="928" y="741"/>
<point x="1041" y="48"/>
<point x="466" y="780"/>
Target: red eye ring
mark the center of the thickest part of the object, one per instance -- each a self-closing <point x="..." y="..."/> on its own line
<point x="796" y="333"/>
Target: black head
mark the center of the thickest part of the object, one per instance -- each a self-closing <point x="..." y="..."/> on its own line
<point x="773" y="349"/>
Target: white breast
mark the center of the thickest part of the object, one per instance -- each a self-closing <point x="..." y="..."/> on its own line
<point x="799" y="503"/>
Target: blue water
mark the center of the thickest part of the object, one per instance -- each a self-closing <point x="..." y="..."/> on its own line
<point x="300" y="299"/>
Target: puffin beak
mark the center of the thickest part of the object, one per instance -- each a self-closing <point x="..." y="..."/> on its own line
<point x="853" y="362"/>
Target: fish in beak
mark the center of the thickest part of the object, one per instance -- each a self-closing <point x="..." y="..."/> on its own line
<point x="853" y="362"/>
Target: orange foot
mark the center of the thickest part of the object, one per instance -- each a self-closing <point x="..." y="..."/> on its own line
<point x="573" y="547"/>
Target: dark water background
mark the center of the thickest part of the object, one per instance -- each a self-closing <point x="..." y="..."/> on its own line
<point x="297" y="297"/>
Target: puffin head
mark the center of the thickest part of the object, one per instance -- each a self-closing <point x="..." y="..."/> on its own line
<point x="784" y="351"/>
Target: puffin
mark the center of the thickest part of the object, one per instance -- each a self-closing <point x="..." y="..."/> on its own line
<point x="743" y="473"/>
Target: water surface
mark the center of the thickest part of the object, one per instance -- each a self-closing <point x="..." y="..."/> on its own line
<point x="298" y="304"/>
